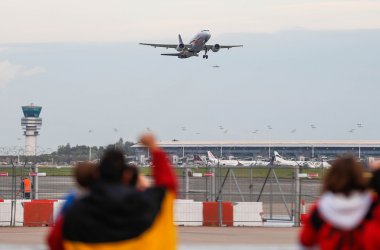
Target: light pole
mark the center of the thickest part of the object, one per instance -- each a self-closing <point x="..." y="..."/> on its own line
<point x="89" y="153"/>
<point x="221" y="129"/>
<point x="225" y="131"/>
<point x="183" y="128"/>
<point x="360" y="126"/>
<point x="269" y="127"/>
<point x="313" y="127"/>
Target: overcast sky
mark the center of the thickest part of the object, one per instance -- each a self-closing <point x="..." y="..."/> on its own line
<point x="303" y="63"/>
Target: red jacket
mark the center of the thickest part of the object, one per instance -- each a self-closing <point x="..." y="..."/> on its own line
<point x="318" y="231"/>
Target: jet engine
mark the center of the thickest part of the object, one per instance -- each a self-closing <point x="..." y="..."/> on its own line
<point x="180" y="47"/>
<point x="215" y="48"/>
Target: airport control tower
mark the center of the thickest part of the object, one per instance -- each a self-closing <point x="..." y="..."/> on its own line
<point x="31" y="123"/>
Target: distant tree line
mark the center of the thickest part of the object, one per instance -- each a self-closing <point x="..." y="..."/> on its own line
<point x="67" y="154"/>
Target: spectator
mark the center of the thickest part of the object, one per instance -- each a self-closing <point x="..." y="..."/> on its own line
<point x="117" y="215"/>
<point x="85" y="175"/>
<point x="338" y="219"/>
<point x="25" y="188"/>
<point x="371" y="239"/>
<point x="132" y="178"/>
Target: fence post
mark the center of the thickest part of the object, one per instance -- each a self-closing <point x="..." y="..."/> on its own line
<point x="297" y="196"/>
<point x="271" y="196"/>
<point x="186" y="182"/>
<point x="213" y="184"/>
<point x="35" y="182"/>
<point x="220" y="212"/>
<point x="220" y="197"/>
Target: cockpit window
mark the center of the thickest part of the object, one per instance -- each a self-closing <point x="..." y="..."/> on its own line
<point x="205" y="30"/>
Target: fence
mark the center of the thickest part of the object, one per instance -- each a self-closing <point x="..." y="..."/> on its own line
<point x="238" y="196"/>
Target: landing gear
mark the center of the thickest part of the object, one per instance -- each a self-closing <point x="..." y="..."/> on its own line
<point x="205" y="56"/>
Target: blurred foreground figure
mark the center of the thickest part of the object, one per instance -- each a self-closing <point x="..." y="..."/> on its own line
<point x="85" y="176"/>
<point x="340" y="218"/>
<point x="371" y="236"/>
<point x="119" y="215"/>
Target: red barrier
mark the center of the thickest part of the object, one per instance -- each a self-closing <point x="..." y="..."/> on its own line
<point x="38" y="213"/>
<point x="43" y="201"/>
<point x="211" y="214"/>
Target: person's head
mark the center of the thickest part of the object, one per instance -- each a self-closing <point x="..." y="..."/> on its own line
<point x="112" y="166"/>
<point x="85" y="174"/>
<point x="345" y="176"/>
<point x="130" y="175"/>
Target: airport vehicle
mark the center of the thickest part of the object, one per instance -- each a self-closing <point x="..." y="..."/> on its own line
<point x="196" y="45"/>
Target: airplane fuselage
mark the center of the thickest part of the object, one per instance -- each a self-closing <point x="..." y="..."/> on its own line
<point x="199" y="41"/>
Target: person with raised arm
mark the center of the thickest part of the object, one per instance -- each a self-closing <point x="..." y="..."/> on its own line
<point x="117" y="216"/>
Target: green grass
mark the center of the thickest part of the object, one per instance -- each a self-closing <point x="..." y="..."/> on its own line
<point x="50" y="171"/>
<point x="282" y="173"/>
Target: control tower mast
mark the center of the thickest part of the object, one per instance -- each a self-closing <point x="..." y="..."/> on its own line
<point x="31" y="123"/>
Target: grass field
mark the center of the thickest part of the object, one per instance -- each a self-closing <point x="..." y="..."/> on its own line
<point x="283" y="173"/>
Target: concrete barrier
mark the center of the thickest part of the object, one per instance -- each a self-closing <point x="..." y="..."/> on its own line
<point x="248" y="214"/>
<point x="188" y="213"/>
<point x="5" y="213"/>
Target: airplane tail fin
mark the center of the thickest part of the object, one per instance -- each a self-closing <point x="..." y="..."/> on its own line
<point x="211" y="157"/>
<point x="277" y="156"/>
<point x="180" y="39"/>
<point x="198" y="158"/>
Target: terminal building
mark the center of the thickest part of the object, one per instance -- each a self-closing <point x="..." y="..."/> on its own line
<point x="264" y="149"/>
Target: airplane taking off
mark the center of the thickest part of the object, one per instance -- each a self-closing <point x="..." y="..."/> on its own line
<point x="196" y="45"/>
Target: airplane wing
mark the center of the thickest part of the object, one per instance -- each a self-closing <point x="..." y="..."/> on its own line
<point x="209" y="47"/>
<point x="168" y="46"/>
<point x="171" y="54"/>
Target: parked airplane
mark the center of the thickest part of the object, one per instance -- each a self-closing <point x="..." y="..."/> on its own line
<point x="280" y="161"/>
<point x="244" y="163"/>
<point x="196" y="45"/>
<point x="258" y="163"/>
<point x="215" y="161"/>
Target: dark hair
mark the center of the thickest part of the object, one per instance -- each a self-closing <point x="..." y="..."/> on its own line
<point x="134" y="174"/>
<point x="345" y="176"/>
<point x="84" y="173"/>
<point x="112" y="165"/>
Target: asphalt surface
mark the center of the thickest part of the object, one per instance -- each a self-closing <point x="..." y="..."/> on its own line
<point x="190" y="238"/>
